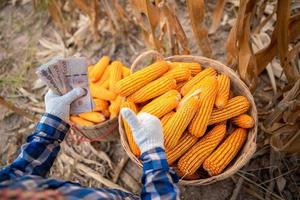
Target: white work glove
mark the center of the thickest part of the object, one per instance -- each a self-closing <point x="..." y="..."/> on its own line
<point x="146" y="129"/>
<point x="60" y="105"/>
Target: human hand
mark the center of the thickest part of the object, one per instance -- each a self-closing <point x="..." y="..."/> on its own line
<point x="60" y="105"/>
<point x="146" y="129"/>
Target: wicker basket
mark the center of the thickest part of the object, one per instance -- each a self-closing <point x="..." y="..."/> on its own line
<point x="239" y="88"/>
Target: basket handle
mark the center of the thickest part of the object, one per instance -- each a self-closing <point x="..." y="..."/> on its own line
<point x="143" y="56"/>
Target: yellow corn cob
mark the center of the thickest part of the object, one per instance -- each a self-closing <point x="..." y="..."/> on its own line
<point x="102" y="93"/>
<point x="243" y="121"/>
<point x="100" y="104"/>
<point x="139" y="79"/>
<point x="180" y="85"/>
<point x="184" y="144"/>
<point x="115" y="73"/>
<point x="179" y="73"/>
<point x="80" y="121"/>
<point x="193" y="159"/>
<point x="162" y="107"/>
<point x="222" y="156"/>
<point x="104" y="84"/>
<point x="125" y="72"/>
<point x="153" y="89"/>
<point x="235" y="106"/>
<point x="195" y="68"/>
<point x="194" y="176"/>
<point x="95" y="117"/>
<point x="105" y="75"/>
<point x="106" y="113"/>
<point x="166" y="118"/>
<point x="99" y="68"/>
<point x="207" y="97"/>
<point x="189" y="85"/>
<point x="175" y="127"/>
<point x="223" y="91"/>
<point x="90" y="67"/>
<point x="114" y="107"/>
<point x="133" y="146"/>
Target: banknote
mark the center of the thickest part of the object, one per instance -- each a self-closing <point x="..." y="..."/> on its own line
<point x="61" y="75"/>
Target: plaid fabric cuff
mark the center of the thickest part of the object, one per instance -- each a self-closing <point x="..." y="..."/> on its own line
<point x="52" y="127"/>
<point x="154" y="159"/>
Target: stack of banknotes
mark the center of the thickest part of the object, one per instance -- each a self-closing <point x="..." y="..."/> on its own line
<point x="62" y="75"/>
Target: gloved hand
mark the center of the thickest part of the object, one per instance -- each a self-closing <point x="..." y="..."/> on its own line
<point x="146" y="129"/>
<point x="60" y="105"/>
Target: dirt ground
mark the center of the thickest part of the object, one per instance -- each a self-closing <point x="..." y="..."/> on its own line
<point x="21" y="29"/>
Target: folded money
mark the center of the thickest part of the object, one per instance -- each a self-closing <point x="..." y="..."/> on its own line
<point x="62" y="75"/>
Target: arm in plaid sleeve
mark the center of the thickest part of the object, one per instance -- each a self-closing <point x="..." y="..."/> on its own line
<point x="159" y="181"/>
<point x="38" y="154"/>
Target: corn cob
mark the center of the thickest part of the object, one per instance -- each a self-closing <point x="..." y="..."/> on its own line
<point x="194" y="176"/>
<point x="139" y="79"/>
<point x="95" y="117"/>
<point x="80" y="121"/>
<point x="114" y="107"/>
<point x="99" y="68"/>
<point x="222" y="156"/>
<point x="235" y="106"/>
<point x="180" y="85"/>
<point x="166" y="118"/>
<point x="195" y="68"/>
<point x="189" y="85"/>
<point x="193" y="159"/>
<point x="179" y="73"/>
<point x="223" y="91"/>
<point x="104" y="84"/>
<point x="185" y="143"/>
<point x="243" y="121"/>
<point x="133" y="146"/>
<point x="207" y="97"/>
<point x="100" y="105"/>
<point x="90" y="67"/>
<point x="105" y="75"/>
<point x="162" y="107"/>
<point x="153" y="89"/>
<point x="115" y="73"/>
<point x="106" y="113"/>
<point x="125" y="72"/>
<point x="175" y="127"/>
<point x="102" y="93"/>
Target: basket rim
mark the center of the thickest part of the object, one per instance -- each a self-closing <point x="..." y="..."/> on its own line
<point x="250" y="143"/>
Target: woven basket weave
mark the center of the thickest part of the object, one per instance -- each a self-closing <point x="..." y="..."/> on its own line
<point x="238" y="87"/>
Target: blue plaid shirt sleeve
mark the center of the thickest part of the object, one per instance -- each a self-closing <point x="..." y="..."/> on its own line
<point x="158" y="179"/>
<point x="38" y="154"/>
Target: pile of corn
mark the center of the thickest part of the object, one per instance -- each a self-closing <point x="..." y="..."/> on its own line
<point x="195" y="107"/>
<point x="102" y="78"/>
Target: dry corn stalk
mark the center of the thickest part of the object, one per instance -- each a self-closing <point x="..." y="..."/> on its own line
<point x="235" y="106"/>
<point x="153" y="89"/>
<point x="133" y="146"/>
<point x="207" y="98"/>
<point x="223" y="91"/>
<point x="222" y="156"/>
<point x="139" y="79"/>
<point x="193" y="159"/>
<point x="185" y="143"/>
<point x="243" y="121"/>
<point x="175" y="127"/>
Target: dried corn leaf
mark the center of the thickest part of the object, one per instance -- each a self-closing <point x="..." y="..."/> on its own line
<point x="231" y="46"/>
<point x="175" y="27"/>
<point x="286" y="142"/>
<point x="196" y="10"/>
<point x="217" y="16"/>
<point x="54" y="9"/>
